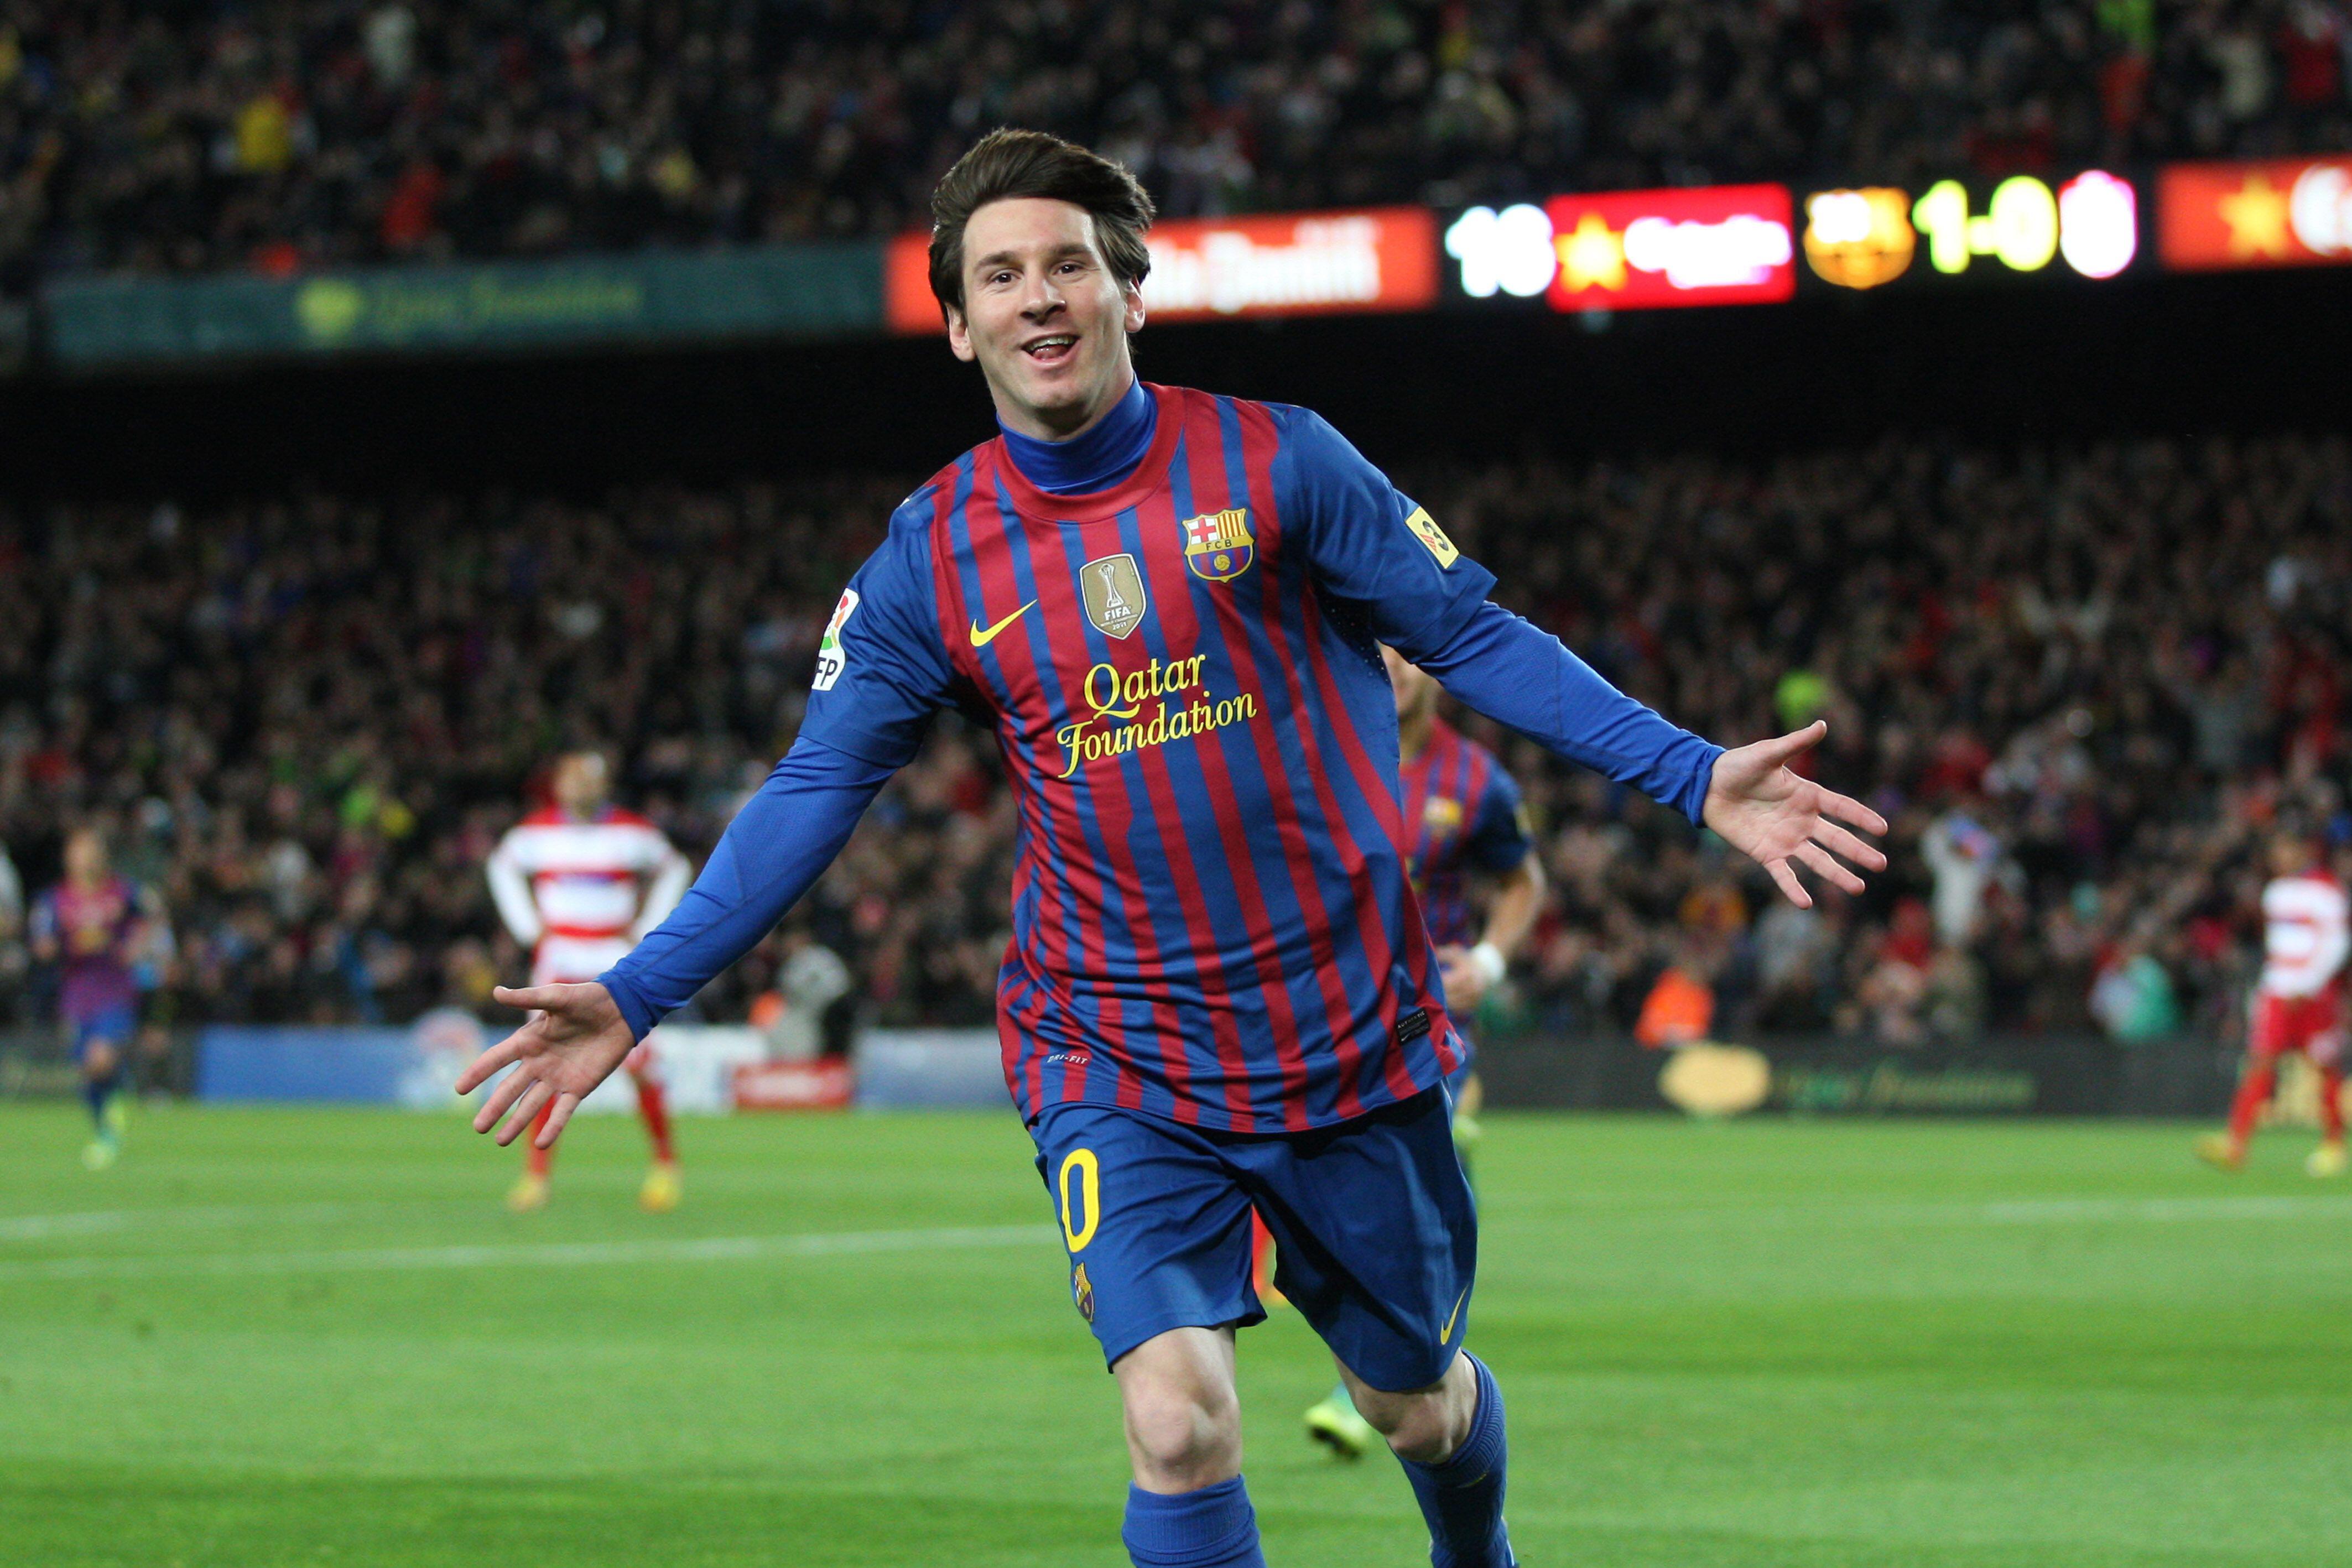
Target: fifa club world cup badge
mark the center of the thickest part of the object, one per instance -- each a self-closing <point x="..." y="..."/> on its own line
<point x="1217" y="545"/>
<point x="1082" y="1291"/>
<point x="1113" y="588"/>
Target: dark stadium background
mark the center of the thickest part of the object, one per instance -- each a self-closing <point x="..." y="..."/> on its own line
<point x="1992" y="365"/>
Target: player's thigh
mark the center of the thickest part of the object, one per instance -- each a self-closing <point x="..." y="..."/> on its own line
<point x="2312" y="1029"/>
<point x="100" y="1040"/>
<point x="1376" y="1238"/>
<point x="1156" y="1225"/>
<point x="2271" y="1028"/>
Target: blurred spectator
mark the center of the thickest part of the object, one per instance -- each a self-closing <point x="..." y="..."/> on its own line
<point x="1964" y="858"/>
<point x="13" y="960"/>
<point x="1679" y="1009"/>
<point x="2132" y="999"/>
<point x="318" y="133"/>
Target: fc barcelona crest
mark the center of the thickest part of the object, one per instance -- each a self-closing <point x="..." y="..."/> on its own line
<point x="1217" y="545"/>
<point x="1113" y="590"/>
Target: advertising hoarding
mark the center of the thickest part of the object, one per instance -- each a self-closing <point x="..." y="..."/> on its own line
<point x="2275" y="212"/>
<point x="1631" y="250"/>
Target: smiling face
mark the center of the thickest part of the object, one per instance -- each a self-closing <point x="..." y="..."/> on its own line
<point x="1044" y="316"/>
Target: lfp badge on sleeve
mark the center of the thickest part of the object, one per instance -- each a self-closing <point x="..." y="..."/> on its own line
<point x="1217" y="545"/>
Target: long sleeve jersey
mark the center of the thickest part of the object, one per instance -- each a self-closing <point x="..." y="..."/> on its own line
<point x="1212" y="917"/>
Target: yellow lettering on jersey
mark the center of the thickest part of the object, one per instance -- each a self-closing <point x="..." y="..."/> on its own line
<point x="1118" y="727"/>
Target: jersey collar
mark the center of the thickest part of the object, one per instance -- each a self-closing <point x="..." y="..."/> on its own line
<point x="1146" y="476"/>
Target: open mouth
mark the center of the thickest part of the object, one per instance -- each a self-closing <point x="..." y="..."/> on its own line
<point x="1051" y="351"/>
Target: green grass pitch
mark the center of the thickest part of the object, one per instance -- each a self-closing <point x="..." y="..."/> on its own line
<point x="314" y="1337"/>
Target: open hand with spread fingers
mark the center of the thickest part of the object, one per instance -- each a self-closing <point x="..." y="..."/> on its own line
<point x="575" y="1039"/>
<point x="1770" y="814"/>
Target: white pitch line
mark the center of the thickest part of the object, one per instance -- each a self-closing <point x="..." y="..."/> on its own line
<point x="43" y="1227"/>
<point x="2007" y="1212"/>
<point x="539" y="1255"/>
<point x="2163" y="1210"/>
<point x="726" y="1249"/>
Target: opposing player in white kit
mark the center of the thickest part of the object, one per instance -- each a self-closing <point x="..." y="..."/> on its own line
<point x="578" y="884"/>
<point x="2298" y="1004"/>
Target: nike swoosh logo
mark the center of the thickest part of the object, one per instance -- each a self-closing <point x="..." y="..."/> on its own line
<point x="981" y="638"/>
<point x="1447" y="1331"/>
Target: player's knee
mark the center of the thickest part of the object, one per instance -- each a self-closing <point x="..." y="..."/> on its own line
<point x="1424" y="1425"/>
<point x="98" y="1060"/>
<point x="1183" y="1436"/>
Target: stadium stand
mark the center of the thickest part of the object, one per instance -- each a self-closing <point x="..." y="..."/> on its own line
<point x="194" y="135"/>
<point x="308" y="718"/>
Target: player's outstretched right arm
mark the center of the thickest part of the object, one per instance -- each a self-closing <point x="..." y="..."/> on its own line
<point x="1428" y="600"/>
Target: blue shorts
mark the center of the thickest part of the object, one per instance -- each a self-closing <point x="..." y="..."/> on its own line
<point x="113" y="1026"/>
<point x="1376" y="1237"/>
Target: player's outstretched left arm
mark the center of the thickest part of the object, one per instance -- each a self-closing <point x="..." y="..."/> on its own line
<point x="573" y="1039"/>
<point x="1763" y="809"/>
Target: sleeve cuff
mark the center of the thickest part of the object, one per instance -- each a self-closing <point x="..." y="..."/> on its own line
<point x="635" y="1011"/>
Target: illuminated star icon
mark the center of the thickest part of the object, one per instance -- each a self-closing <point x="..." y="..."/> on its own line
<point x="1592" y="256"/>
<point x="2257" y="217"/>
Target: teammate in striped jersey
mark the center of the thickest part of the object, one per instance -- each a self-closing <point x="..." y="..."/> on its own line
<point x="1219" y="995"/>
<point x="578" y="882"/>
<point x="1462" y="814"/>
<point x="102" y="931"/>
<point x="2297" y="1005"/>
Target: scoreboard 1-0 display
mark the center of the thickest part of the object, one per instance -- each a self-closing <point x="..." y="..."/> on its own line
<point x="2019" y="227"/>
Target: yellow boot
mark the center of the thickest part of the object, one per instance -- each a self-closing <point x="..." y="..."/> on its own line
<point x="662" y="1190"/>
<point x="2217" y="1149"/>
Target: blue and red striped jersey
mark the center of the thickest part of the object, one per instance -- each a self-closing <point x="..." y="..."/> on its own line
<point x="1213" y="919"/>
<point x="1463" y="812"/>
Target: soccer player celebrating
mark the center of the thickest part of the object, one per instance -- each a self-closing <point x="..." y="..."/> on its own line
<point x="1219" y="995"/>
<point x="1461" y="813"/>
<point x="578" y="884"/>
<point x="98" y="927"/>
<point x="2298" y="1004"/>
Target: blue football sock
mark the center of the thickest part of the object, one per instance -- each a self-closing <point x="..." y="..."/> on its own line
<point x="94" y="1093"/>
<point x="1462" y="1496"/>
<point x="1212" y="1527"/>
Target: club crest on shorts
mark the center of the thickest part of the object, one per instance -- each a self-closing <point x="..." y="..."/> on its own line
<point x="1113" y="588"/>
<point x="1217" y="545"/>
<point x="1082" y="1291"/>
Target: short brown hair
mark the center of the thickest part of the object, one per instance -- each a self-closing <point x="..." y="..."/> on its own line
<point x="1007" y="163"/>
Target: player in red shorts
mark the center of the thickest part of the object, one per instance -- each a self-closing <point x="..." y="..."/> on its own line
<point x="2298" y="1004"/>
<point x="578" y="884"/>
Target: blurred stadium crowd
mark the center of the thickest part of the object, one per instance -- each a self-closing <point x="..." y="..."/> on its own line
<point x="308" y="718"/>
<point x="281" y="134"/>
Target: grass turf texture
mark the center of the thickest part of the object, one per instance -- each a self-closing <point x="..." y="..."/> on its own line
<point x="281" y="1337"/>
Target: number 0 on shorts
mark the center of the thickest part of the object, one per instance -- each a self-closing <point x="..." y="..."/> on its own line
<point x="1081" y="1163"/>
